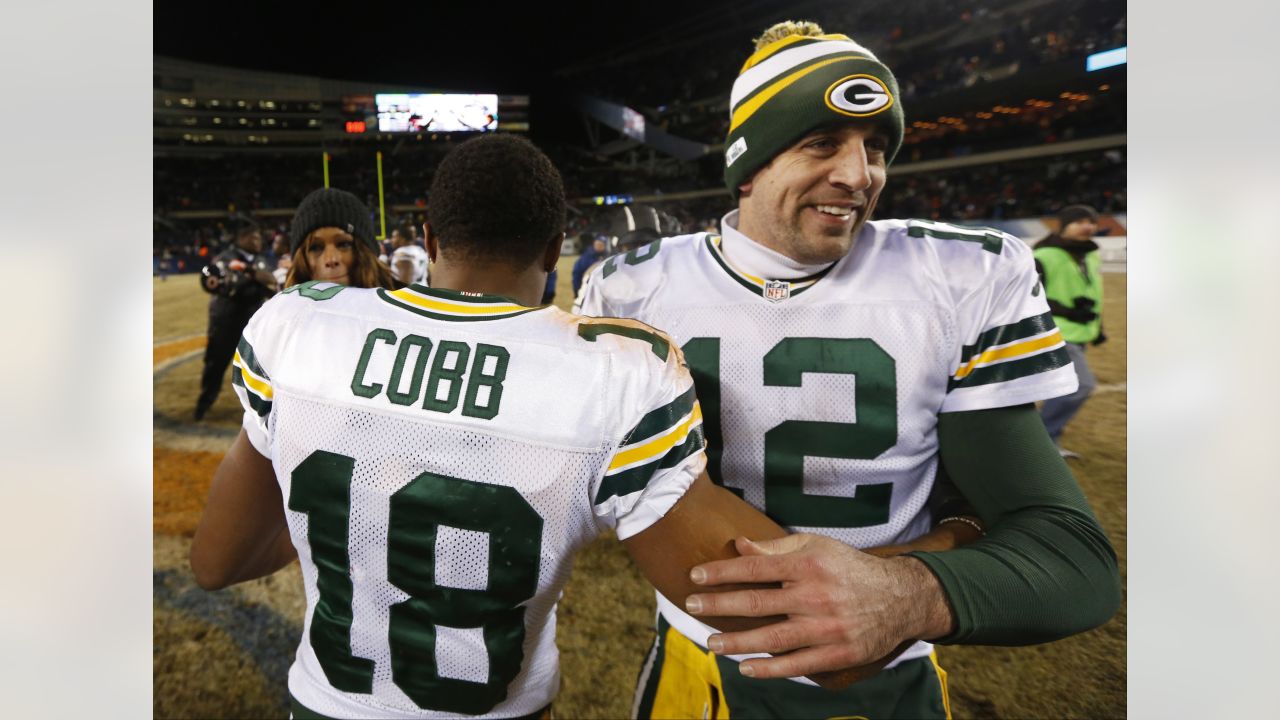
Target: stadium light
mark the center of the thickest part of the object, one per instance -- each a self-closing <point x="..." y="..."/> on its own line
<point x="1106" y="59"/>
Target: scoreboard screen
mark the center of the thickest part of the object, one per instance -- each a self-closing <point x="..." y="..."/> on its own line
<point x="437" y="112"/>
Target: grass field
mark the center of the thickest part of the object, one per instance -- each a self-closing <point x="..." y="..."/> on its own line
<point x="226" y="654"/>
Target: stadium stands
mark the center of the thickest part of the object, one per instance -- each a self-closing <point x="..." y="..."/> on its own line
<point x="1003" y="122"/>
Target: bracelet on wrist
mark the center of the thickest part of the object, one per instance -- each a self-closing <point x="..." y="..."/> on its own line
<point x="967" y="521"/>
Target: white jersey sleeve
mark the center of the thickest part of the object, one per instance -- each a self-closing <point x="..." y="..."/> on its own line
<point x="258" y="344"/>
<point x="663" y="448"/>
<point x="1011" y="351"/>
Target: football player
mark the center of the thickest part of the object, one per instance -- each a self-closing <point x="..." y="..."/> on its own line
<point x="436" y="456"/>
<point x="408" y="259"/>
<point x="843" y="365"/>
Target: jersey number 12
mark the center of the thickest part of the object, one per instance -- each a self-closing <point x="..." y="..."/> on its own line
<point x="787" y="444"/>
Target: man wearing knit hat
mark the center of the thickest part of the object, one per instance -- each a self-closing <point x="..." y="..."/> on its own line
<point x="1068" y="264"/>
<point x="843" y="364"/>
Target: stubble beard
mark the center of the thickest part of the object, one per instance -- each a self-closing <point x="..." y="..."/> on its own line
<point x="815" y="246"/>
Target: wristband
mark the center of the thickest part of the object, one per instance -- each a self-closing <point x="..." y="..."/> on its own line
<point x="971" y="523"/>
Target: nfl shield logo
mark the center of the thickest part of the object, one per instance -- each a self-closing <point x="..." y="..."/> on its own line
<point x="777" y="290"/>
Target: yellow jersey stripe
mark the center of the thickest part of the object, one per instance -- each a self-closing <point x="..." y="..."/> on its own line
<point x="446" y="306"/>
<point x="658" y="446"/>
<point x="748" y="108"/>
<point x="1025" y="347"/>
<point x="258" y="385"/>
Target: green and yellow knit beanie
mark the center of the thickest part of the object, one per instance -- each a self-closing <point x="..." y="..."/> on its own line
<point x="797" y="83"/>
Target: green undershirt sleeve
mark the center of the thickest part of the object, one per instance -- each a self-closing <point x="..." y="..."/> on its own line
<point x="1045" y="569"/>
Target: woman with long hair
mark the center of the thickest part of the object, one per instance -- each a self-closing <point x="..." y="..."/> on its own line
<point x="331" y="238"/>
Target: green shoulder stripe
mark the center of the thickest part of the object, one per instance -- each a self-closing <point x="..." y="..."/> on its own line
<point x="260" y="406"/>
<point x="1021" y="330"/>
<point x="992" y="242"/>
<point x="1012" y="370"/>
<point x="663" y="418"/>
<point x="250" y="359"/>
<point x="589" y="331"/>
<point x="629" y="481"/>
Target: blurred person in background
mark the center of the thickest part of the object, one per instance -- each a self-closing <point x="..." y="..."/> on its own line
<point x="408" y="258"/>
<point x="331" y="239"/>
<point x="280" y="248"/>
<point x="593" y="250"/>
<point x="549" y="292"/>
<point x="943" y="346"/>
<point x="239" y="279"/>
<point x="1069" y="269"/>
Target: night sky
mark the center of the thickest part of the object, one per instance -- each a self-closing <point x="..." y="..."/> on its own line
<point x="471" y="45"/>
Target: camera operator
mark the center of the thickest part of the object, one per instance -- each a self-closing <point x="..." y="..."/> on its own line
<point x="240" y="280"/>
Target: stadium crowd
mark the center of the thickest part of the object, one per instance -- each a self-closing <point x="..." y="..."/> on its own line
<point x="197" y="198"/>
<point x="951" y="46"/>
<point x="1001" y="191"/>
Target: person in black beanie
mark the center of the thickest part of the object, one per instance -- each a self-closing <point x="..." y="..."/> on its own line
<point x="239" y="280"/>
<point x="1068" y="264"/>
<point x="331" y="239"/>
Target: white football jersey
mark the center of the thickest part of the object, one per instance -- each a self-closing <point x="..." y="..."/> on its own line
<point x="442" y="456"/>
<point x="416" y="255"/>
<point x="822" y="394"/>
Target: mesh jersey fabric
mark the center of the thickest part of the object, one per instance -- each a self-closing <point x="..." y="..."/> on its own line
<point x="440" y="502"/>
<point x="839" y="379"/>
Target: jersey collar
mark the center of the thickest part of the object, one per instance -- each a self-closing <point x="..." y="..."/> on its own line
<point x="771" y="290"/>
<point x="441" y="304"/>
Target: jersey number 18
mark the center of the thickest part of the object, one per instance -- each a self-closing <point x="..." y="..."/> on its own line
<point x="321" y="488"/>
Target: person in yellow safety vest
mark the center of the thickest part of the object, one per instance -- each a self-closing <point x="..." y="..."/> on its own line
<point x="1068" y="264"/>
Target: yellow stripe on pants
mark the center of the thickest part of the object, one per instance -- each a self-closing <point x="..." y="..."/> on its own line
<point x="942" y="680"/>
<point x="689" y="677"/>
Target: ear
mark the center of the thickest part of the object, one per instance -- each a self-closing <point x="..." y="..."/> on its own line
<point x="428" y="239"/>
<point x="552" y="254"/>
<point x="745" y="188"/>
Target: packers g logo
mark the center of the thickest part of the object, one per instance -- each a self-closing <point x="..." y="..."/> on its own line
<point x="859" y="96"/>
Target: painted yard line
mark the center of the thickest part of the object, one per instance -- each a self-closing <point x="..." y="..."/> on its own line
<point x="1112" y="387"/>
<point x="173" y="362"/>
<point x="175" y="348"/>
<point x="174" y="338"/>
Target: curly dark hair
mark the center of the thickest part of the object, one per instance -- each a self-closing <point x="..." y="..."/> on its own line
<point x="496" y="198"/>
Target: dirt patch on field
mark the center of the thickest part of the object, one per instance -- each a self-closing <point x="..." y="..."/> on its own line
<point x="606" y="621"/>
<point x="181" y="484"/>
<point x="201" y="671"/>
